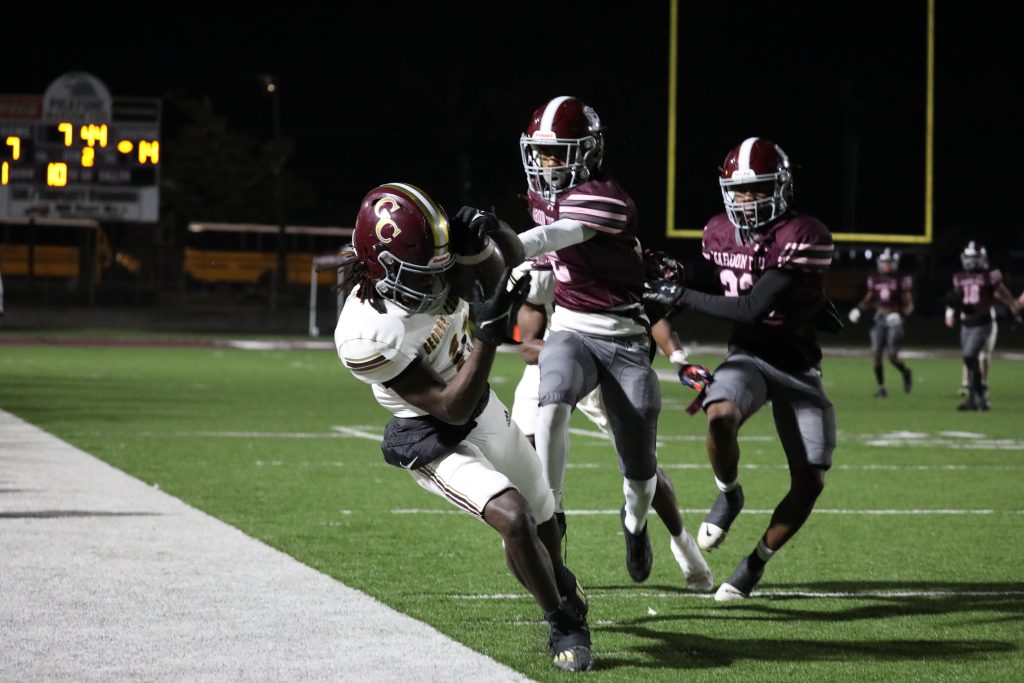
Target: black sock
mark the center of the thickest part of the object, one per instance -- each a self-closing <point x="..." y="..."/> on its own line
<point x="880" y="375"/>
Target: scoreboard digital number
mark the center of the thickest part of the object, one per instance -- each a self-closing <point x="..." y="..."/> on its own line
<point x="77" y="152"/>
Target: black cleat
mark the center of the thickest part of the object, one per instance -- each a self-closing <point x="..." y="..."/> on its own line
<point x="569" y="641"/>
<point x="741" y="584"/>
<point x="571" y="591"/>
<point x="725" y="510"/>
<point x="881" y="393"/>
<point x="639" y="556"/>
<point x="969" y="404"/>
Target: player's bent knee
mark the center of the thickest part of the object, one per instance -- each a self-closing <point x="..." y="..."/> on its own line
<point x="723" y="420"/>
<point x="509" y="514"/>
<point x="809" y="483"/>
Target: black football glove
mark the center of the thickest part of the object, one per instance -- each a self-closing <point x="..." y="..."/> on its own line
<point x="494" y="318"/>
<point x="663" y="292"/>
<point x="1016" y="322"/>
<point x="469" y="229"/>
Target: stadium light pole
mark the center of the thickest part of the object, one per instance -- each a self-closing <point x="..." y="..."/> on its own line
<point x="280" y="275"/>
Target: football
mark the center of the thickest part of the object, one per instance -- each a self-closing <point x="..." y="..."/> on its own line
<point x="503" y="250"/>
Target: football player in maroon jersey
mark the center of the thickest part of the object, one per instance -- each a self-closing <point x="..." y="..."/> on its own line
<point x="770" y="262"/>
<point x="599" y="334"/>
<point x="975" y="290"/>
<point x="892" y="294"/>
<point x="533" y="325"/>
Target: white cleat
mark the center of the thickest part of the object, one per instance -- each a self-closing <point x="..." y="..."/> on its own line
<point x="729" y="593"/>
<point x="699" y="578"/>
<point x="710" y="536"/>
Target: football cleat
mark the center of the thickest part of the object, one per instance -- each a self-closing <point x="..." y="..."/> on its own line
<point x="639" y="556"/>
<point x="741" y="584"/>
<point x="881" y="393"/>
<point x="969" y="404"/>
<point x="715" y="526"/>
<point x="699" y="578"/>
<point x="569" y="641"/>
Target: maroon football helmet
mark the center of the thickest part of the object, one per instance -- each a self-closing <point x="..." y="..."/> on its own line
<point x="569" y="135"/>
<point x="888" y="261"/>
<point x="974" y="256"/>
<point x="401" y="236"/>
<point x="756" y="165"/>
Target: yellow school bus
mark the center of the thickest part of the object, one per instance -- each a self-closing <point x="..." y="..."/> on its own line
<point x="246" y="253"/>
<point x="59" y="248"/>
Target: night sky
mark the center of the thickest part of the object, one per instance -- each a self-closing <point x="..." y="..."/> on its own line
<point x="437" y="94"/>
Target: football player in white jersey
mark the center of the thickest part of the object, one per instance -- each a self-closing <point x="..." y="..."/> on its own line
<point x="427" y="355"/>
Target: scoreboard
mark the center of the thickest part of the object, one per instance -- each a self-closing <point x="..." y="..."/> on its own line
<point x="78" y="152"/>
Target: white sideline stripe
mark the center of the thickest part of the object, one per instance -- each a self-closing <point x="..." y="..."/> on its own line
<point x="817" y="511"/>
<point x="104" y="578"/>
<point x="767" y="594"/>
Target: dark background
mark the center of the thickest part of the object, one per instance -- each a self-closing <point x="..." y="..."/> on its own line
<point x="437" y="94"/>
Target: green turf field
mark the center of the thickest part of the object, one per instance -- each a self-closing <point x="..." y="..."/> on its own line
<point x="909" y="570"/>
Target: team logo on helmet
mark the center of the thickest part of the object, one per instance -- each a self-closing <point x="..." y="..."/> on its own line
<point x="382" y="209"/>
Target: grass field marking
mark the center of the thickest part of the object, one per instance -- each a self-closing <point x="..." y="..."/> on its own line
<point x="364" y="432"/>
<point x="665" y="437"/>
<point x="843" y="595"/>
<point x="765" y="511"/>
<point x="867" y="466"/>
<point x="953" y="440"/>
<point x="358" y="433"/>
<point x="256" y="345"/>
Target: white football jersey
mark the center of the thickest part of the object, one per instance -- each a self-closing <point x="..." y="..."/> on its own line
<point x="542" y="285"/>
<point x="377" y="347"/>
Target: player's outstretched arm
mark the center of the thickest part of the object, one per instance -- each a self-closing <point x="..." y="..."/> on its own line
<point x="749" y="308"/>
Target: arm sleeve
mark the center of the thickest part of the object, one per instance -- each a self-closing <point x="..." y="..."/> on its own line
<point x="563" y="233"/>
<point x="748" y="308"/>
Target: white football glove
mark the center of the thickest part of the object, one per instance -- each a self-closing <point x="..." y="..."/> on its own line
<point x="854" y="315"/>
<point x="679" y="358"/>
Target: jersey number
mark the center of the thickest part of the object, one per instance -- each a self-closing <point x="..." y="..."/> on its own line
<point x="972" y="293"/>
<point x="734" y="286"/>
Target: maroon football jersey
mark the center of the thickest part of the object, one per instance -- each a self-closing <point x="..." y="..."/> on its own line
<point x="797" y="243"/>
<point x="888" y="289"/>
<point x="976" y="290"/>
<point x="606" y="270"/>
